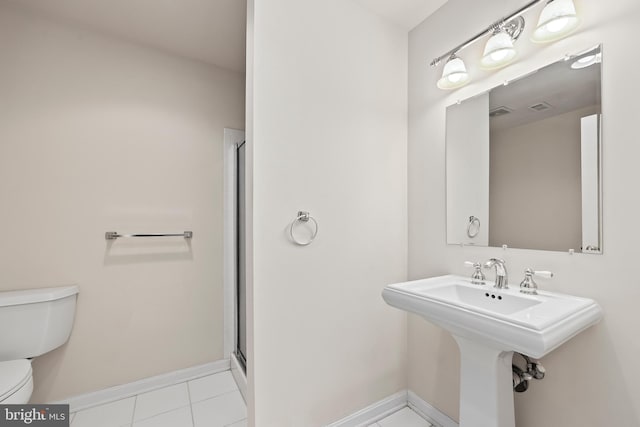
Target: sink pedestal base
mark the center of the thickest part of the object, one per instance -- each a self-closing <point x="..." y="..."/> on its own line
<point x="486" y="387"/>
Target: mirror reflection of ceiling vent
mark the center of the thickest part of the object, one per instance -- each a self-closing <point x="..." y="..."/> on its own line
<point x="541" y="106"/>
<point x="500" y="111"/>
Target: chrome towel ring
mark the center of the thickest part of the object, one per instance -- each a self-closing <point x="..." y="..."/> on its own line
<point x="303" y="217"/>
<point x="473" y="228"/>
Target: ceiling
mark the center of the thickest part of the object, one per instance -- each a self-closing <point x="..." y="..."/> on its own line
<point x="560" y="87"/>
<point x="406" y="13"/>
<point x="212" y="31"/>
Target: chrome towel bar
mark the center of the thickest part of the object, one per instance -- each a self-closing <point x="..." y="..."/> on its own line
<point x="113" y="235"/>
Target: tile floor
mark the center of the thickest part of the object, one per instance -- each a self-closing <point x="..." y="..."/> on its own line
<point x="211" y="401"/>
<point x="403" y="418"/>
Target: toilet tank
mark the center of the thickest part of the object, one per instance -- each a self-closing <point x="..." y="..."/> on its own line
<point x="35" y="321"/>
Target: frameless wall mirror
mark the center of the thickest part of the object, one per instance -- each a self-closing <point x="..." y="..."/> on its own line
<point x="523" y="161"/>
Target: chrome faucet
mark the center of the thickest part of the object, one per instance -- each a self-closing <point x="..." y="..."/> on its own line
<point x="501" y="272"/>
<point x="528" y="285"/>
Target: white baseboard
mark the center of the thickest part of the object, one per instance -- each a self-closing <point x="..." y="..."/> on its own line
<point x="84" y="401"/>
<point x="363" y="417"/>
<point x="375" y="412"/>
<point x="394" y="403"/>
<point x="428" y="412"/>
<point x="239" y="376"/>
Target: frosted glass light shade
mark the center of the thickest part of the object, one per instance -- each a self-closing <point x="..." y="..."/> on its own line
<point x="557" y="19"/>
<point x="587" y="61"/>
<point x="498" y="51"/>
<point x="454" y="74"/>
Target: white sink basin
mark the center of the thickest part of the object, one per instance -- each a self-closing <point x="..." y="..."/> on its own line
<point x="475" y="299"/>
<point x="489" y="324"/>
<point x="505" y="318"/>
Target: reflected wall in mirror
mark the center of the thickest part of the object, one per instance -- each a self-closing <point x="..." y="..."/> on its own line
<point x="523" y="161"/>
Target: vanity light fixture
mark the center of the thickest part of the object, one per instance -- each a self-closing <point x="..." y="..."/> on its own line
<point x="454" y="74"/>
<point x="557" y="19"/>
<point x="499" y="50"/>
<point x="587" y="61"/>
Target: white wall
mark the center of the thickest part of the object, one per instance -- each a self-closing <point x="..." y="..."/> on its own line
<point x="590" y="181"/>
<point x="96" y="135"/>
<point x="468" y="171"/>
<point x="329" y="136"/>
<point x="535" y="186"/>
<point x="592" y="380"/>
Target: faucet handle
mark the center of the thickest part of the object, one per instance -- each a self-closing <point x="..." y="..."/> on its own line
<point x="528" y="285"/>
<point x="477" y="278"/>
<point x="543" y="274"/>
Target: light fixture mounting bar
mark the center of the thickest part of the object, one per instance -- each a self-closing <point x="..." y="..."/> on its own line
<point x="490" y="29"/>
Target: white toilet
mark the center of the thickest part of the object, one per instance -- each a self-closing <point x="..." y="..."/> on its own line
<point x="32" y="322"/>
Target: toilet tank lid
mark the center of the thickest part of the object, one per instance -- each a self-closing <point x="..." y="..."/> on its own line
<point x="31" y="296"/>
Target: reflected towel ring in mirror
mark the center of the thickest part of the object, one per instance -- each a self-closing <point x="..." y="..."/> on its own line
<point x="303" y="217"/>
<point x="473" y="228"/>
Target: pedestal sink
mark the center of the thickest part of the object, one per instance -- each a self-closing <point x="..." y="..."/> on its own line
<point x="489" y="325"/>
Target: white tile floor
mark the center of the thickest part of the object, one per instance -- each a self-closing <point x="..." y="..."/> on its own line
<point x="403" y="418"/>
<point x="212" y="401"/>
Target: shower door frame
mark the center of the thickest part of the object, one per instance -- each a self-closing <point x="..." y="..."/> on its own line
<point x="232" y="138"/>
